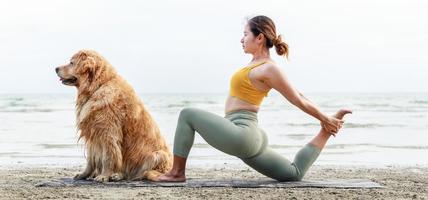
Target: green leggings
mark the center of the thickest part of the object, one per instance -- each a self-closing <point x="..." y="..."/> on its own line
<point x="237" y="134"/>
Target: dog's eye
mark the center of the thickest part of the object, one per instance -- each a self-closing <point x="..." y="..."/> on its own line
<point x="71" y="63"/>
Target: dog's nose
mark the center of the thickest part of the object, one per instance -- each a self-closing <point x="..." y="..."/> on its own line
<point x="57" y="69"/>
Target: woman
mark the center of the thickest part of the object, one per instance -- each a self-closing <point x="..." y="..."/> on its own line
<point x="237" y="133"/>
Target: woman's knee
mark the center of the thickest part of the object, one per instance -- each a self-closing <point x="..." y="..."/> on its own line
<point x="290" y="177"/>
<point x="291" y="174"/>
<point x="275" y="166"/>
<point x="188" y="112"/>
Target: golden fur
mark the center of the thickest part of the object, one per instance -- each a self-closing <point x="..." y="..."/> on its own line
<point x="122" y="139"/>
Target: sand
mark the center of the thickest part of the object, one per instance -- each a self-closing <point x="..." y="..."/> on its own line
<point x="399" y="182"/>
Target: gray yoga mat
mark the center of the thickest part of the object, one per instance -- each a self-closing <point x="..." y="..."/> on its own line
<point x="234" y="183"/>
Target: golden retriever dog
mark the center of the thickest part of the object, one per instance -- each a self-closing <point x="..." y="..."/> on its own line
<point x="121" y="138"/>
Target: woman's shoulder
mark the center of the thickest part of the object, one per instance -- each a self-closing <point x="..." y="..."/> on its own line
<point x="271" y="67"/>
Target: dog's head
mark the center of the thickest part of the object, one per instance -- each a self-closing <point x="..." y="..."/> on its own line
<point x="85" y="68"/>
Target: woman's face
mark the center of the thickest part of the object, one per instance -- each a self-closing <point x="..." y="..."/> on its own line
<point x="250" y="43"/>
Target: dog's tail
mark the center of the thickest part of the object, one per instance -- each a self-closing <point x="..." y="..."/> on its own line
<point x="154" y="165"/>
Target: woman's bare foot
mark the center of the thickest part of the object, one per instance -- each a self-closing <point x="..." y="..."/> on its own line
<point x="177" y="173"/>
<point x="339" y="115"/>
<point x="172" y="177"/>
<point x="322" y="137"/>
<point x="342" y="112"/>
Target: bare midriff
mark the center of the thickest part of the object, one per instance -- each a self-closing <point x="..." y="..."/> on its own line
<point x="233" y="104"/>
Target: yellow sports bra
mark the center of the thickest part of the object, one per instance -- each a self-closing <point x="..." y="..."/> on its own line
<point x="241" y="87"/>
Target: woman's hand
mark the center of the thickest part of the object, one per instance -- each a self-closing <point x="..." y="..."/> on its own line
<point x="332" y="125"/>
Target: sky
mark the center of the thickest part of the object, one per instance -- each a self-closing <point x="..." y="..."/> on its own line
<point x="193" y="46"/>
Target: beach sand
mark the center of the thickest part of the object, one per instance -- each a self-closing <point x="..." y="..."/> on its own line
<point x="399" y="183"/>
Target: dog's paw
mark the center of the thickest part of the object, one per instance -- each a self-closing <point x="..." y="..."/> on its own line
<point x="153" y="175"/>
<point x="116" y="177"/>
<point x="101" y="178"/>
<point x="79" y="177"/>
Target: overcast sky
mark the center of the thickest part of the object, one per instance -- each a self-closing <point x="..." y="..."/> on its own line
<point x="194" y="46"/>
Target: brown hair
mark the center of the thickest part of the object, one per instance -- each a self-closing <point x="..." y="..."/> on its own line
<point x="264" y="25"/>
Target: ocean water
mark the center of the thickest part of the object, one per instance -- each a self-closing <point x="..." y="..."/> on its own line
<point x="385" y="129"/>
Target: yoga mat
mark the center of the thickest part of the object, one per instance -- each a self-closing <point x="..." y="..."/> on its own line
<point x="234" y="183"/>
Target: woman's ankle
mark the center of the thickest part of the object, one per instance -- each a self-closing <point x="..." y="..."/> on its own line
<point x="177" y="172"/>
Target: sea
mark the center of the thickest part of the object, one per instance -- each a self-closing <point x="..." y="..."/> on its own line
<point x="385" y="129"/>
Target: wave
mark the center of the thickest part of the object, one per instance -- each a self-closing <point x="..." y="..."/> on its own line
<point x="12" y="99"/>
<point x="176" y="105"/>
<point x="370" y="105"/>
<point x="9" y="153"/>
<point x="59" y="146"/>
<point x="201" y="145"/>
<point x="282" y="146"/>
<point x="303" y="124"/>
<point x="186" y="103"/>
<point x="44" y="156"/>
<point x="419" y="102"/>
<point x="343" y="152"/>
<point x="402" y="147"/>
<point x="297" y="136"/>
<point x="370" y="125"/>
<point x="17" y="104"/>
<point x="347" y="125"/>
<point x="343" y="146"/>
<point x="24" y="110"/>
<point x="346" y="146"/>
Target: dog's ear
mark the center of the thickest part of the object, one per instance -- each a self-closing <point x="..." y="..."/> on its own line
<point x="91" y="66"/>
<point x="82" y="55"/>
<point x="91" y="74"/>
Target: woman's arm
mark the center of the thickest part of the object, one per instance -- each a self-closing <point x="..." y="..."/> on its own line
<point x="277" y="80"/>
